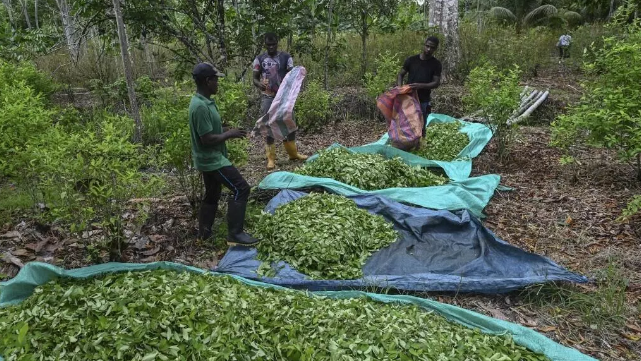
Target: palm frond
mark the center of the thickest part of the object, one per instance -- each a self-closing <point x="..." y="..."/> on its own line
<point x="542" y="12"/>
<point x="502" y="14"/>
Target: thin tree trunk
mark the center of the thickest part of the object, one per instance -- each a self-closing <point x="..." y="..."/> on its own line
<point x="126" y="62"/>
<point x="221" y="33"/>
<point x="611" y="9"/>
<point x="69" y="27"/>
<point x="364" y="34"/>
<point x="23" y="5"/>
<point x="444" y="15"/>
<point x="329" y="36"/>
<point x="35" y="6"/>
<point x="478" y="15"/>
<point x="7" y="5"/>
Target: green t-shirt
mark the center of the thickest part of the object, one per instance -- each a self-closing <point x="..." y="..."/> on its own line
<point x="204" y="118"/>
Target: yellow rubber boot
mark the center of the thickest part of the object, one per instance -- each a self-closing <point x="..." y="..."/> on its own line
<point x="270" y="151"/>
<point x="291" y="149"/>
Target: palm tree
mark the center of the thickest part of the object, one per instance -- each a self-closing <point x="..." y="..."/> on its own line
<point x="526" y="13"/>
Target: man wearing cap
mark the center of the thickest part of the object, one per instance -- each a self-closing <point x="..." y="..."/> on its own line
<point x="269" y="70"/>
<point x="210" y="158"/>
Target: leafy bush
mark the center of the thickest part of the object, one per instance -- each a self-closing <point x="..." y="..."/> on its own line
<point x="25" y="72"/>
<point x="116" y="93"/>
<point x="496" y="95"/>
<point x="164" y="114"/>
<point x="387" y="66"/>
<point x="633" y="208"/>
<point x="503" y="47"/>
<point x="609" y="112"/>
<point x="322" y="236"/>
<point x="88" y="176"/>
<point x="368" y="171"/>
<point x="232" y="102"/>
<point x="23" y="116"/>
<point x="313" y="107"/>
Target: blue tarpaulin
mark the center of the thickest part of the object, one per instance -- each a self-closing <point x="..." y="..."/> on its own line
<point x="436" y="251"/>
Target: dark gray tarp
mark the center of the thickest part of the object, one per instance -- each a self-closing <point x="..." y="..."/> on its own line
<point x="436" y="251"/>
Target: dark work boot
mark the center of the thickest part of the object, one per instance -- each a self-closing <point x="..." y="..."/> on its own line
<point x="236" y="222"/>
<point x="206" y="217"/>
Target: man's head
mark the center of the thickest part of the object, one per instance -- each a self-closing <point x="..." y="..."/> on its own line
<point x="430" y="46"/>
<point x="271" y="43"/>
<point x="206" y="77"/>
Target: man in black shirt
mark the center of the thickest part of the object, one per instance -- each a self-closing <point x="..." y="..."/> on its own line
<point x="424" y="75"/>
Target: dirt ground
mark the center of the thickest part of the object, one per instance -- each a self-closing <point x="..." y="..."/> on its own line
<point x="565" y="212"/>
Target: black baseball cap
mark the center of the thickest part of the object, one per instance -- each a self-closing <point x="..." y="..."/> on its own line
<point x="204" y="70"/>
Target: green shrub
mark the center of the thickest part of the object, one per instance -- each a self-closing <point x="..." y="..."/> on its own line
<point x="116" y="93"/>
<point x="313" y="107"/>
<point x="12" y="74"/>
<point x="23" y="116"/>
<point x="164" y="114"/>
<point x="88" y="176"/>
<point x="387" y="66"/>
<point x="633" y="208"/>
<point x="501" y="46"/>
<point x="176" y="153"/>
<point x="232" y="102"/>
<point x="496" y="95"/>
<point x="609" y="112"/>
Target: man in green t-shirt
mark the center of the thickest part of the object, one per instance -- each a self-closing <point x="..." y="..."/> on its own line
<point x="209" y="153"/>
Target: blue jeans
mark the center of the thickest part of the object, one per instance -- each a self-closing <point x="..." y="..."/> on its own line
<point x="426" y="109"/>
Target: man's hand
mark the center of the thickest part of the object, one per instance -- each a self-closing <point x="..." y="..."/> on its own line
<point x="415" y="86"/>
<point x="235" y="133"/>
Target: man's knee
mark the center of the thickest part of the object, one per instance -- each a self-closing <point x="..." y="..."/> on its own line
<point x="291" y="136"/>
<point x="243" y="190"/>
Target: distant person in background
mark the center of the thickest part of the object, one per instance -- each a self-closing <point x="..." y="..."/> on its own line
<point x="564" y="46"/>
<point x="424" y="75"/>
<point x="270" y="69"/>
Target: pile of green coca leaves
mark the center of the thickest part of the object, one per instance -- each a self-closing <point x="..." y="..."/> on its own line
<point x="443" y="141"/>
<point x="323" y="236"/>
<point x="368" y="171"/>
<point x="166" y="315"/>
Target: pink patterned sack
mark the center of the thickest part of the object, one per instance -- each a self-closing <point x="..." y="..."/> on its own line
<point x="402" y="110"/>
<point x="279" y="120"/>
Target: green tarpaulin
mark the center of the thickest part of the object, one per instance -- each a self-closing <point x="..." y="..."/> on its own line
<point x="467" y="193"/>
<point x="35" y="274"/>
<point x="461" y="167"/>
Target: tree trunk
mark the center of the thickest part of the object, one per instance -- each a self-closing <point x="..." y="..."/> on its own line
<point x="364" y="34"/>
<point x="444" y="15"/>
<point x="221" y="33"/>
<point x="611" y="9"/>
<point x="23" y="5"/>
<point x="35" y="9"/>
<point x="329" y="37"/>
<point x="7" y="5"/>
<point x="478" y="15"/>
<point x="126" y="62"/>
<point x="68" y="23"/>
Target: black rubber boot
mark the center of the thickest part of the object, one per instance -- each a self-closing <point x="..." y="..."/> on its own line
<point x="206" y="217"/>
<point x="236" y="222"/>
